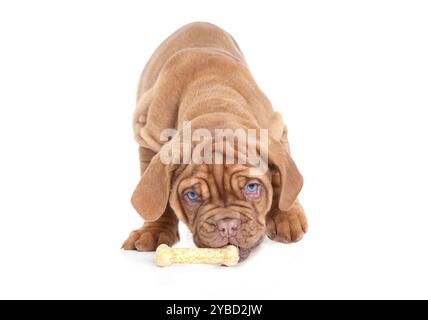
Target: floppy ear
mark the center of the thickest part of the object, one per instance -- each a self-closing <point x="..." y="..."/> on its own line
<point x="291" y="179"/>
<point x="151" y="195"/>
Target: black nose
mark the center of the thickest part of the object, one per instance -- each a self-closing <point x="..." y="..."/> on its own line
<point x="228" y="227"/>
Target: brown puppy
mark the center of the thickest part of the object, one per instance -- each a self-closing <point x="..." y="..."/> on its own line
<point x="199" y="75"/>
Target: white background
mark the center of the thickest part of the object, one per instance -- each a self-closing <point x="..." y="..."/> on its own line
<point x="351" y="79"/>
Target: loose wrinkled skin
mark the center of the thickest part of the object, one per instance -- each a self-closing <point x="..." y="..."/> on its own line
<point x="200" y="75"/>
<point x="222" y="191"/>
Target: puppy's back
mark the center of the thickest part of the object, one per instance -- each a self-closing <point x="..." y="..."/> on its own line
<point x="193" y="35"/>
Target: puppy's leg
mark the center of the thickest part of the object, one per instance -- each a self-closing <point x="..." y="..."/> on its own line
<point x="286" y="226"/>
<point x="152" y="234"/>
<point x="163" y="230"/>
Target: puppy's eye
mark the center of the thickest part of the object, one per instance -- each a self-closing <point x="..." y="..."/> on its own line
<point x="252" y="188"/>
<point x="192" y="196"/>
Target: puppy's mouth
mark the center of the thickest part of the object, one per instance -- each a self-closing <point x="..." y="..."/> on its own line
<point x="244" y="253"/>
<point x="245" y="246"/>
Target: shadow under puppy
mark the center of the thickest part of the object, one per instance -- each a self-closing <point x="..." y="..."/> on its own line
<point x="198" y="75"/>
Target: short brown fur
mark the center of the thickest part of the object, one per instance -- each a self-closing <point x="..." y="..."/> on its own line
<point x="199" y="74"/>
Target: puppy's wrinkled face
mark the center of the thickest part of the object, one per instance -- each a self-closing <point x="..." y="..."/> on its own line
<point x="222" y="204"/>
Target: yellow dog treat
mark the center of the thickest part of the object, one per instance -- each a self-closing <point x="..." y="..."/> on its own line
<point x="166" y="255"/>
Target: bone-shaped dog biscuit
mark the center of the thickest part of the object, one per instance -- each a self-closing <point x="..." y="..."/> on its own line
<point x="166" y="255"/>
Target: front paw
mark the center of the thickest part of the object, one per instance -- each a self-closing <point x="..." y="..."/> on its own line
<point x="149" y="238"/>
<point x="286" y="227"/>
